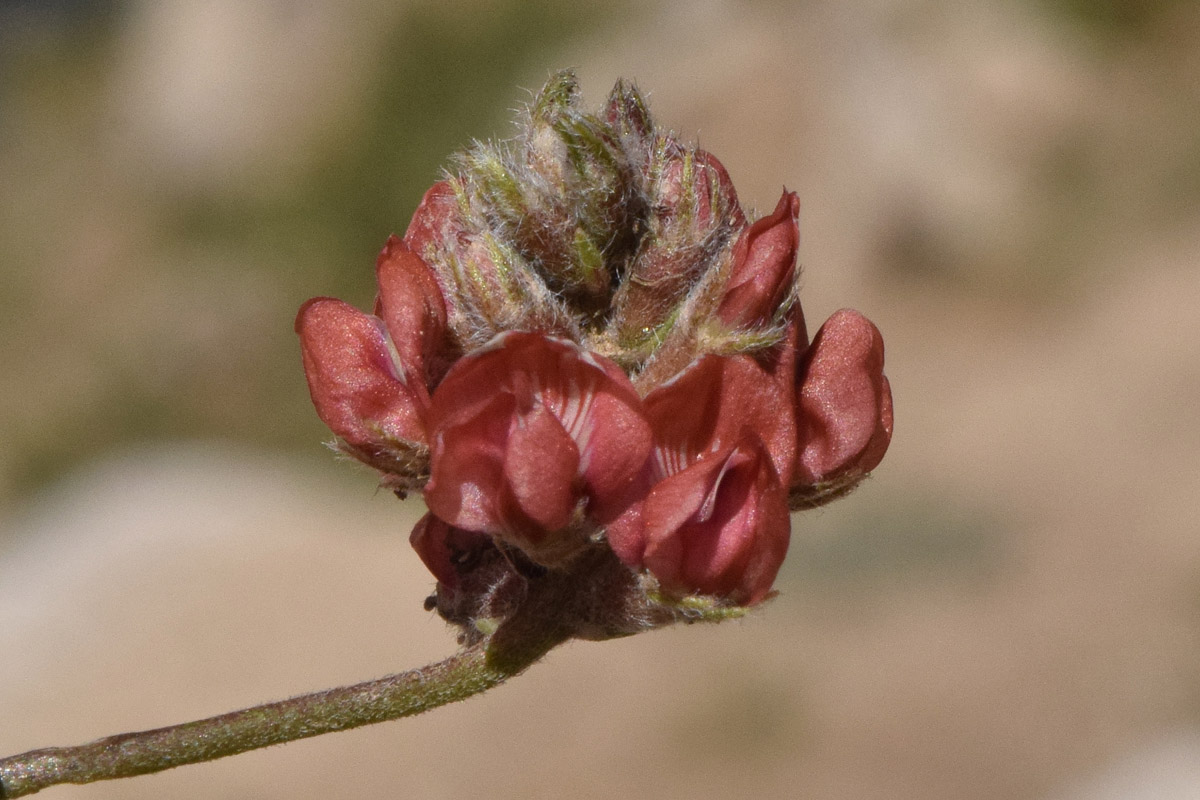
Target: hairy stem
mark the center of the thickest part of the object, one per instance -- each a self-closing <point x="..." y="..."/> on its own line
<point x="473" y="670"/>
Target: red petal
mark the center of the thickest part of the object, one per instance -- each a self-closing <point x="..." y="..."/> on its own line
<point x="540" y="466"/>
<point x="668" y="508"/>
<point x="432" y="221"/>
<point x="619" y="440"/>
<point x="764" y="266"/>
<point x="445" y="550"/>
<point x="411" y="305"/>
<point x="589" y="396"/>
<point x="710" y="405"/>
<point x="845" y="402"/>
<point x="355" y="385"/>
<point x="719" y="527"/>
<point x="467" y="465"/>
<point x="626" y="533"/>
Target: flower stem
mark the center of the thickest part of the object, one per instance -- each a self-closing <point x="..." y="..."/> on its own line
<point x="473" y="670"/>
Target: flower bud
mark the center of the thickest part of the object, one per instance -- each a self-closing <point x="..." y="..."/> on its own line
<point x="435" y="224"/>
<point x="696" y="211"/>
<point x="359" y="389"/>
<point x="411" y="306"/>
<point x="487" y="286"/>
<point x="566" y="194"/>
<point x="844" y="409"/>
<point x="764" y="267"/>
<point x="627" y="114"/>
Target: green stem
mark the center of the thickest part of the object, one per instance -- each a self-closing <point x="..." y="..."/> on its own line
<point x="470" y="672"/>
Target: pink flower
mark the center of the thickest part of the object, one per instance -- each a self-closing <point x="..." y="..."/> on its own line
<point x="720" y="526"/>
<point x="529" y="434"/>
<point x="596" y="370"/>
<point x="370" y="387"/>
<point x="715" y="520"/>
<point x="844" y="409"/>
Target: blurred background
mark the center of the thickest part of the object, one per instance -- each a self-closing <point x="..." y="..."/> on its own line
<point x="1010" y="189"/>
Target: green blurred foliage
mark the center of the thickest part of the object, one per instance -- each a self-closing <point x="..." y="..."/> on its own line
<point x="1119" y="21"/>
<point x="97" y="361"/>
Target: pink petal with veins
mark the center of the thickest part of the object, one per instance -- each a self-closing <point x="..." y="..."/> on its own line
<point x="527" y="427"/>
<point x="720" y="526"/>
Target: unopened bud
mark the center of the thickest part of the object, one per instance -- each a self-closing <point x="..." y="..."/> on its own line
<point x="764" y="267"/>
<point x="696" y="211"/>
<point x="361" y="391"/>
<point x="844" y="409"/>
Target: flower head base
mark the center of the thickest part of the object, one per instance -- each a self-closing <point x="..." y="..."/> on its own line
<point x="595" y="368"/>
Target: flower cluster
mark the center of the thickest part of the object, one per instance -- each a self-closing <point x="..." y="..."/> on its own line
<point x="584" y="352"/>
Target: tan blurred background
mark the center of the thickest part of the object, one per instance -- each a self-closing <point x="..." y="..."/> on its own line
<point x="1010" y="608"/>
